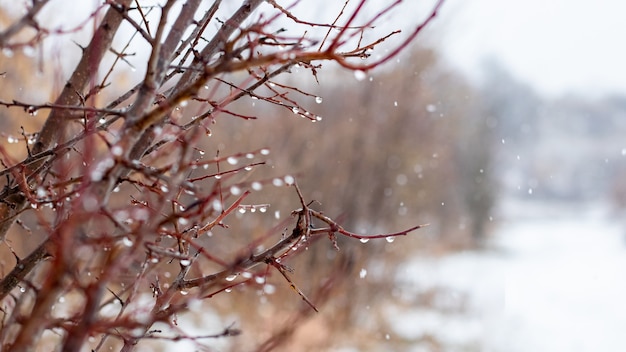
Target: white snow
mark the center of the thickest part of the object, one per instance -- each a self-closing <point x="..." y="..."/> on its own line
<point x="552" y="280"/>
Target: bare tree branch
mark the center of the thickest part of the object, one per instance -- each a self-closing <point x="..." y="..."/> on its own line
<point x="121" y="197"/>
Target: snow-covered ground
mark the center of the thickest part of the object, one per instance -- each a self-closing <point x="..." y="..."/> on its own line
<point x="553" y="279"/>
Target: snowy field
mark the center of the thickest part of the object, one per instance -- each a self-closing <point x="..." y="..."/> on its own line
<point x="553" y="279"/>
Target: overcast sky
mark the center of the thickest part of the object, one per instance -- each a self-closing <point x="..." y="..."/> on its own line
<point x="556" y="45"/>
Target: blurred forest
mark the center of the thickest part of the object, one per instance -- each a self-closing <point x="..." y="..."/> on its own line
<point x="564" y="149"/>
<point x="413" y="142"/>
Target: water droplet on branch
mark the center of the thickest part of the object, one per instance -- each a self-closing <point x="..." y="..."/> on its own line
<point x="359" y="75"/>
